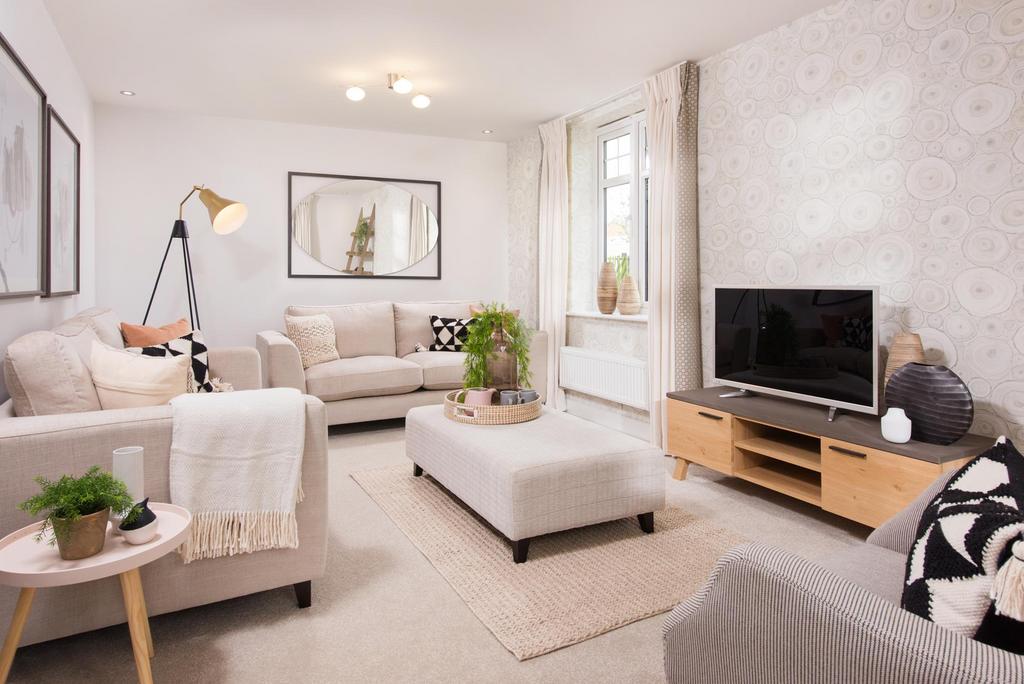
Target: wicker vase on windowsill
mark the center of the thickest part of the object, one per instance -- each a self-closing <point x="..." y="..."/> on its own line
<point x="629" y="297"/>
<point x="607" y="289"/>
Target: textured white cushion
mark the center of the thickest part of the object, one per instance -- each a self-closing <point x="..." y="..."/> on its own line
<point x="79" y="335"/>
<point x="314" y="337"/>
<point x="553" y="473"/>
<point x="366" y="376"/>
<point x="127" y="380"/>
<point x="45" y="376"/>
<point x="412" y="321"/>
<point x="441" y="370"/>
<point x="360" y="329"/>
<point x="103" y="322"/>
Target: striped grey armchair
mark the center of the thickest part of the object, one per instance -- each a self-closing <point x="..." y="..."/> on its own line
<point x="766" y="615"/>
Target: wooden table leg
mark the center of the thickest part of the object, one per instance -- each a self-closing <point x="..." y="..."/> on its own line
<point x="681" y="467"/>
<point x="138" y="623"/>
<point x="137" y="579"/>
<point x="21" y="610"/>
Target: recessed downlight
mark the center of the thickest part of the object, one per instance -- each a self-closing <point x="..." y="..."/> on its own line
<point x="421" y="101"/>
<point x="128" y="93"/>
<point x="487" y="131"/>
<point x="355" y="93"/>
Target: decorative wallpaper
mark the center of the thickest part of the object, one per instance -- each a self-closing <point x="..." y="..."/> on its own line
<point x="880" y="142"/>
<point x="523" y="211"/>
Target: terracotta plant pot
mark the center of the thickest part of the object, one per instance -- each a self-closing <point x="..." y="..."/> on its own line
<point x="607" y="289"/>
<point x="83" y="537"/>
<point x="629" y="297"/>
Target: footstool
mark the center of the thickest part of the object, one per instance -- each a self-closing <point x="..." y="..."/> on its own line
<point x="551" y="474"/>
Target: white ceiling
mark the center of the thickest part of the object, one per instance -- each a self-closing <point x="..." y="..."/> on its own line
<point x="505" y="66"/>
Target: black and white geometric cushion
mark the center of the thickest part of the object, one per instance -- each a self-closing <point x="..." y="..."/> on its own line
<point x="449" y="333"/>
<point x="856" y="332"/>
<point x="190" y="345"/>
<point x="965" y="572"/>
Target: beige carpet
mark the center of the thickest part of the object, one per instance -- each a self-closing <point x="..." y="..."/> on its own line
<point x="576" y="584"/>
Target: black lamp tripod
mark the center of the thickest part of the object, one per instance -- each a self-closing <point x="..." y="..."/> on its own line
<point x="179" y="231"/>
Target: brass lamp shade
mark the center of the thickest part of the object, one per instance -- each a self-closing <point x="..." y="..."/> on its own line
<point x="226" y="215"/>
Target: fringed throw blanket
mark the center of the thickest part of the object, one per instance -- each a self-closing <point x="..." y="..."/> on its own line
<point x="236" y="464"/>
<point x="966" y="569"/>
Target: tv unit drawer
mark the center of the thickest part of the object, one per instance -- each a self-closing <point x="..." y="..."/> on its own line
<point x="869" y="485"/>
<point x="700" y="435"/>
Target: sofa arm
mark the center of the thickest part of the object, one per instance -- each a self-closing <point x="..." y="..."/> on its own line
<point x="768" y="615"/>
<point x="239" y="366"/>
<point x="282" y="365"/>
<point x="539" y="362"/>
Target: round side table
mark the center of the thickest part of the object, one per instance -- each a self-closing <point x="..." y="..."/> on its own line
<point x="29" y="564"/>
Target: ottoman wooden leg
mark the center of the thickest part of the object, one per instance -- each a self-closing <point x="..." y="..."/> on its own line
<point x="304" y="593"/>
<point x="21" y="610"/>
<point x="416" y="470"/>
<point x="520" y="547"/>
<point x="646" y="522"/>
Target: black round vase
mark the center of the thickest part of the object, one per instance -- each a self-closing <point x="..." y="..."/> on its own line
<point x="936" y="400"/>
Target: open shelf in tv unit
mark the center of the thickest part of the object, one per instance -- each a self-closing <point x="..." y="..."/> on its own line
<point x="844" y="466"/>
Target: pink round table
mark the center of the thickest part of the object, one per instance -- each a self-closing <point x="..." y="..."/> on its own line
<point x="29" y="564"/>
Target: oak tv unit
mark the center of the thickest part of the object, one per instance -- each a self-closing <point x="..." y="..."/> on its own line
<point x="844" y="466"/>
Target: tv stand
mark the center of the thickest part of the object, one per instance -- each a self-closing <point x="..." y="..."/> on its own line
<point x="736" y="394"/>
<point x="844" y="467"/>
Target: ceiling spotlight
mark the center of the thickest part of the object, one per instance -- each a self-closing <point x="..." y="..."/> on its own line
<point x="402" y="86"/>
<point x="128" y="93"/>
<point x="355" y="93"/>
<point x="421" y="101"/>
<point x="487" y="131"/>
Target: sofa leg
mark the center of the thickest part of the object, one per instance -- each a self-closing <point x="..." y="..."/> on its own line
<point x="416" y="470"/>
<point x="520" y="547"/>
<point x="304" y="593"/>
<point x="646" y="522"/>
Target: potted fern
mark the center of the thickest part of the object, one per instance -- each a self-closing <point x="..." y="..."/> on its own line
<point x="497" y="349"/>
<point x="77" y="510"/>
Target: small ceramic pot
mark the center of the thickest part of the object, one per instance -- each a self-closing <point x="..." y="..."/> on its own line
<point x="528" y="395"/>
<point x="509" y="397"/>
<point x="896" y="427"/>
<point x="478" y="396"/>
<point x="83" y="537"/>
<point x="141" y="535"/>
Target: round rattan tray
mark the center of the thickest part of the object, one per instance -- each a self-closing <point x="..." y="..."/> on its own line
<point x="495" y="414"/>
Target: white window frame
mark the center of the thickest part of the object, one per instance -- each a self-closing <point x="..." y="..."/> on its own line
<point x="636" y="126"/>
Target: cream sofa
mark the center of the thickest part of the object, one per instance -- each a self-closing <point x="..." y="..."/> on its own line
<point x="52" y="445"/>
<point x="380" y="374"/>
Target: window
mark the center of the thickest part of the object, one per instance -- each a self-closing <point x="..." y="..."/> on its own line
<point x="623" y="194"/>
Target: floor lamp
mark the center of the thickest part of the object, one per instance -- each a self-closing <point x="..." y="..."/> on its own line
<point x="226" y="216"/>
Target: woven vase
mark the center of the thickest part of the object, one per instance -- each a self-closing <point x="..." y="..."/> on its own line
<point x="607" y="289"/>
<point x="906" y="348"/>
<point x="629" y="297"/>
<point x="502" y="365"/>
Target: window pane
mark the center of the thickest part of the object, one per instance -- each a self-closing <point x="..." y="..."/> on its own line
<point x="617" y="220"/>
<point x="616" y="156"/>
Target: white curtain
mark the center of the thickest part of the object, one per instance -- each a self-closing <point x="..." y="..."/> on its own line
<point x="303" y="222"/>
<point x="553" y="271"/>
<point x="662" y="94"/>
<point x="419" y="233"/>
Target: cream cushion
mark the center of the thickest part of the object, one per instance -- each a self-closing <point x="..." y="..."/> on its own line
<point x="103" y="322"/>
<point x="45" y="376"/>
<point x="441" y="370"/>
<point x="412" y="322"/>
<point x="366" y="376"/>
<point x="127" y="380"/>
<point x="78" y="335"/>
<point x="314" y="337"/>
<point x="360" y="329"/>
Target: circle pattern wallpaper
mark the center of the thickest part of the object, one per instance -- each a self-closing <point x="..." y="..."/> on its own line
<point x="880" y="143"/>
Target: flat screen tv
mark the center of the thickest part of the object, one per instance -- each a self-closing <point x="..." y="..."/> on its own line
<point x="813" y="344"/>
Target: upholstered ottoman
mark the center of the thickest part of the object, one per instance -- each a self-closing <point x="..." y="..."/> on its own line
<point x="546" y="475"/>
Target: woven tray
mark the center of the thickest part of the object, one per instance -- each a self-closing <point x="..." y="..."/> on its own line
<point x="495" y="414"/>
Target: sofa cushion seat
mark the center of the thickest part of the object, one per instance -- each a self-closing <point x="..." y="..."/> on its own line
<point x="363" y="376"/>
<point x="441" y="370"/>
<point x="875" y="568"/>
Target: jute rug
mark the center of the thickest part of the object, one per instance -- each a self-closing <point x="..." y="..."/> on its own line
<point x="576" y="584"/>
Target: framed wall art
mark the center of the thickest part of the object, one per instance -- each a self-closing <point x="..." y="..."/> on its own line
<point x="63" y="212"/>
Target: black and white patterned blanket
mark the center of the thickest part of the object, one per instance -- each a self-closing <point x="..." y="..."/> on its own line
<point x="966" y="569"/>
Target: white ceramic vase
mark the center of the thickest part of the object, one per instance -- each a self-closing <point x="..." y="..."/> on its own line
<point x="128" y="467"/>
<point x="896" y="426"/>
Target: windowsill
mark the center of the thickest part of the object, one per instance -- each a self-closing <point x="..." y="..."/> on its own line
<point x="597" y="315"/>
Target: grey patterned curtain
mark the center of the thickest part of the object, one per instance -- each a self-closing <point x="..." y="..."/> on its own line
<point x="689" y="371"/>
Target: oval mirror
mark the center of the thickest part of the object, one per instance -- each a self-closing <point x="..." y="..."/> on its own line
<point x="366" y="227"/>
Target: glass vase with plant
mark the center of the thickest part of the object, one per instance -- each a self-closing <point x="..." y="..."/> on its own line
<point x="497" y="349"/>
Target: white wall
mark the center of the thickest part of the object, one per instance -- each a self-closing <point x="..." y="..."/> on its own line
<point x="148" y="161"/>
<point x="27" y="27"/>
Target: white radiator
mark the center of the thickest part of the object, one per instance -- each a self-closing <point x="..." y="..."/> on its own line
<point x="614" y="377"/>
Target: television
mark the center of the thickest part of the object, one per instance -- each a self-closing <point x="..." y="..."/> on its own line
<point x="814" y="344"/>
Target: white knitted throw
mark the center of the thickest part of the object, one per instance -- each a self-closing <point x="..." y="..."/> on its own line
<point x="236" y="464"/>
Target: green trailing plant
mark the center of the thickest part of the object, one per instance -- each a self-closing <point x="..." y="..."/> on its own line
<point x="362" y="233"/>
<point x="621" y="263"/>
<point x="479" y="345"/>
<point x="66" y="500"/>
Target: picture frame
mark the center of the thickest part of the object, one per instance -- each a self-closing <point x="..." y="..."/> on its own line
<point x="63" y="208"/>
<point x="302" y="264"/>
<point x="23" y="184"/>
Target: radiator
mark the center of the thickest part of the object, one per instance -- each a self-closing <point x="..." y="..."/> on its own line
<point x="614" y="377"/>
